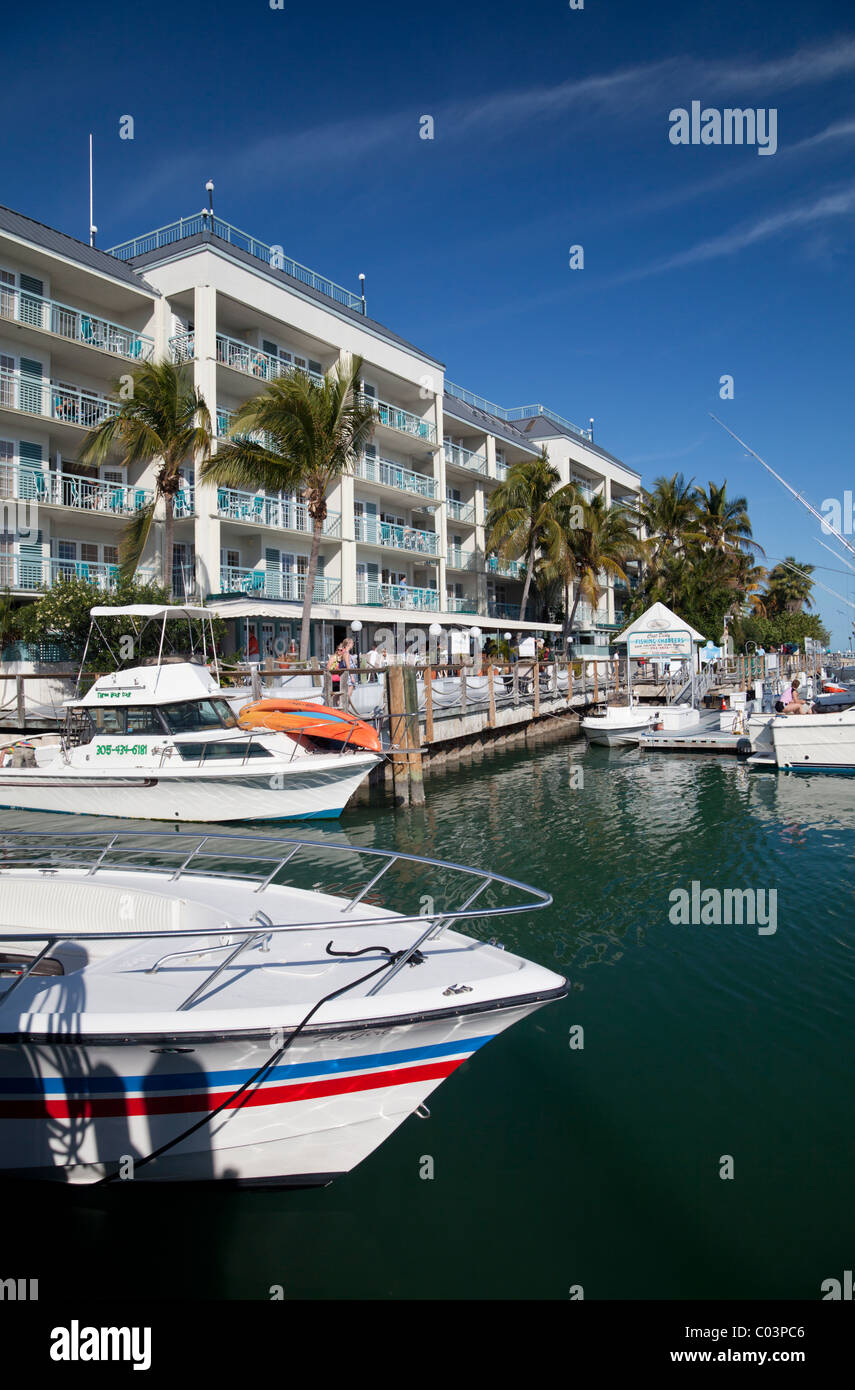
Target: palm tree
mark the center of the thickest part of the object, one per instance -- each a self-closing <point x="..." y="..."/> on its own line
<point x="789" y="587"/>
<point x="668" y="514"/>
<point x="522" y="517"/>
<point x="164" y="418"/>
<point x="299" y="436"/>
<point x="724" y="520"/>
<point x="602" y="544"/>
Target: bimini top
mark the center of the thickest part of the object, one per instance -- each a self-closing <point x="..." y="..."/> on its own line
<point x="150" y="610"/>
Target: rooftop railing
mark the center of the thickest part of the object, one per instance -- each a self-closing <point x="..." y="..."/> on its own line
<point x="519" y="412"/>
<point x="273" y="256"/>
<point x="284" y="513"/>
<point x="373" y="532"/>
<point x="464" y="458"/>
<point x="71" y="405"/>
<point x="390" y="474"/>
<point x="77" y="325"/>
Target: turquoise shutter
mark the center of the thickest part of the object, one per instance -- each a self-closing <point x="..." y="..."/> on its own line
<point x="32" y="470"/>
<point x="32" y="563"/>
<point x="31" y="386"/>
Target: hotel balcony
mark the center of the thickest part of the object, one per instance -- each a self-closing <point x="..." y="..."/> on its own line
<point x="459" y="559"/>
<point x="463" y="512"/>
<point x="74" y="325"/>
<point x="80" y="494"/>
<point x="22" y="573"/>
<point x="509" y="569"/>
<point x="503" y="610"/>
<point x="260" y="510"/>
<point x="68" y="405"/>
<point x="388" y="474"/>
<point x="401" y="421"/>
<point x="282" y="584"/>
<point x="397" y="596"/>
<point x="453" y="604"/>
<point x="382" y="533"/>
<point x="222" y="425"/>
<point x="459" y="457"/>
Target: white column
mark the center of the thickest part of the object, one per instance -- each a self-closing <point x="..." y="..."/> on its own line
<point x="205" y="378"/>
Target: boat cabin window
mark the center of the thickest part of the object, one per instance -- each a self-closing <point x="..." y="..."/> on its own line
<point x="237" y="748"/>
<point x="112" y="719"/>
<point x="194" y="716"/>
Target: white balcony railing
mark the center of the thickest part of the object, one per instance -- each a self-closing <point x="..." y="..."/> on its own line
<point x="402" y="420"/>
<point x="80" y="494"/>
<point x="271" y="583"/>
<point x="396" y="596"/>
<point x="464" y="458"/>
<point x="460" y="511"/>
<point x="32" y="574"/>
<point x="459" y="559"/>
<point x="373" y="532"/>
<point x="454" y="604"/>
<point x="283" y="513"/>
<point x="510" y="569"/>
<point x="72" y="405"/>
<point x="77" y="325"/>
<point x="390" y="474"/>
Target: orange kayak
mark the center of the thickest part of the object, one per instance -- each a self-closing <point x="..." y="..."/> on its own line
<point x="315" y="721"/>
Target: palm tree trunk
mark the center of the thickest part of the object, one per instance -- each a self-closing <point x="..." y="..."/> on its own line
<point x="576" y="599"/>
<point x="305" y="624"/>
<point x="527" y="585"/>
<point x="168" y="541"/>
<point x="565" y="632"/>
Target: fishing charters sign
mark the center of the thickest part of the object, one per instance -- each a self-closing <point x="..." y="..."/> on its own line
<point x="665" y="642"/>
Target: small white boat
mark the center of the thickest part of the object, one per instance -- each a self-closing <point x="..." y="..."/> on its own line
<point x="178" y="1008"/>
<point x="813" y="742"/>
<point x="161" y="742"/>
<point x="625" y="724"/>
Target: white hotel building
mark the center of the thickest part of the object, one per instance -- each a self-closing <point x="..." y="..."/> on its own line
<point x="404" y="542"/>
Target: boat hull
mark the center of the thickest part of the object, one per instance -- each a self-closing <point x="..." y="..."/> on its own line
<point x="814" y="742"/>
<point x="318" y="787"/>
<point x="77" y="1111"/>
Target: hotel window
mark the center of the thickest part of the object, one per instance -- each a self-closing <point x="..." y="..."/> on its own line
<point x="232" y="559"/>
<point x="111" y="554"/>
<point x="7" y="468"/>
<point x="7" y="294"/>
<point x="7" y="380"/>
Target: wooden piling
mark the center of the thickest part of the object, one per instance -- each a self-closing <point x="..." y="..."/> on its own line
<point x="398" y="733"/>
<point x="429" y="704"/>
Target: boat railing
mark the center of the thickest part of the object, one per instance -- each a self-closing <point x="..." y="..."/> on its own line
<point x="253" y="859"/>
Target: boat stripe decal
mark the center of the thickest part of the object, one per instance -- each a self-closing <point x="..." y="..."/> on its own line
<point x="125" y="1106"/>
<point x="189" y="1081"/>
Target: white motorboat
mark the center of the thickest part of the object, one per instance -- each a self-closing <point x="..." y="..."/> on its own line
<point x="811" y="742"/>
<point x="625" y="724"/>
<point x="177" y="1007"/>
<point x="161" y="742"/>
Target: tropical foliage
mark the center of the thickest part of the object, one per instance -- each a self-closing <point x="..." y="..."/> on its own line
<point x="162" y="419"/>
<point x="527" y="519"/>
<point x="298" y="436"/>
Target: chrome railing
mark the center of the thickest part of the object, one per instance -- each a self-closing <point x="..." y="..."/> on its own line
<point x="373" y="532"/>
<point x="390" y="474"/>
<point x="274" y="256"/>
<point x="72" y="405"/>
<point x="78" y="325"/>
<point x="282" y="512"/>
<point x="260" y="861"/>
<point x="283" y="584"/>
<point x="396" y="596"/>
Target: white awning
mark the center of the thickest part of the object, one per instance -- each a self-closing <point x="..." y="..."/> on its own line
<point x="151" y="610"/>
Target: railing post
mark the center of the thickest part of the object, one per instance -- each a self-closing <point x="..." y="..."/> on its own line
<point x="569" y="679"/>
<point x="491" y="695"/>
<point x="535" y="672"/>
<point x="462" y="690"/>
<point x="428" y="679"/>
<point x="516" y="684"/>
<point x="596" y="682"/>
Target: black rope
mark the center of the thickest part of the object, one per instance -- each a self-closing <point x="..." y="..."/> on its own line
<point x="258" y="1076"/>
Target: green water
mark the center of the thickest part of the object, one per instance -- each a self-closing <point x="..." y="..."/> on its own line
<point x="553" y="1166"/>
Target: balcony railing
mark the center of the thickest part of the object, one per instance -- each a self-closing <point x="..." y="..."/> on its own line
<point x="511" y="569"/>
<point x="397" y="596"/>
<point x="241" y="357"/>
<point x="402" y="420"/>
<point x="459" y="559"/>
<point x="453" y="604"/>
<point x="223" y="423"/>
<point x="373" y="532"/>
<point x="503" y="610"/>
<point x="502" y="470"/>
<point x="81" y="494"/>
<point x="464" y="458"/>
<point x="32" y="574"/>
<point x="78" y="325"/>
<point x="72" y="405"/>
<point x="460" y="511"/>
<point x="273" y="256"/>
<point x="391" y="474"/>
<point x="284" y="584"/>
<point x="283" y="513"/>
<point x="519" y="412"/>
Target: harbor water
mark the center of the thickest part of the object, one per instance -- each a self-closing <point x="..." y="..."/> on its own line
<point x="681" y="1126"/>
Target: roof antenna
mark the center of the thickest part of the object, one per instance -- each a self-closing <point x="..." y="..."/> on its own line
<point x="92" y="228"/>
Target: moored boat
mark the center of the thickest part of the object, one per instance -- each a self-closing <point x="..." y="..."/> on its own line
<point x="179" y="1008"/>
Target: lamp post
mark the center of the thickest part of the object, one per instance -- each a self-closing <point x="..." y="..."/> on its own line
<point x="209" y="186"/>
<point x="362" y="291"/>
<point x="356" y="628"/>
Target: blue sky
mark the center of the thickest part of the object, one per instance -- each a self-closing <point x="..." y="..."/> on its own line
<point x="551" y="130"/>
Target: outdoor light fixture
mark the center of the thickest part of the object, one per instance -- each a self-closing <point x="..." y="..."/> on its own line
<point x="356" y="625"/>
<point x="362" y="290"/>
<point x="435" y="630"/>
<point x="591" y="428"/>
<point x="475" y="632"/>
<point x="210" y="190"/>
<point x="508" y="636"/>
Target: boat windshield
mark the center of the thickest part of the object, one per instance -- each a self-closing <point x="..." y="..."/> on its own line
<point x="194" y="716"/>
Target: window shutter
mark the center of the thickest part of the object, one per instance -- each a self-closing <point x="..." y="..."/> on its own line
<point x="269" y="347"/>
<point x="271" y="559"/>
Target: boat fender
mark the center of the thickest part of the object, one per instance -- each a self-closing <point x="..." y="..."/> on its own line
<point x="743" y="748"/>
